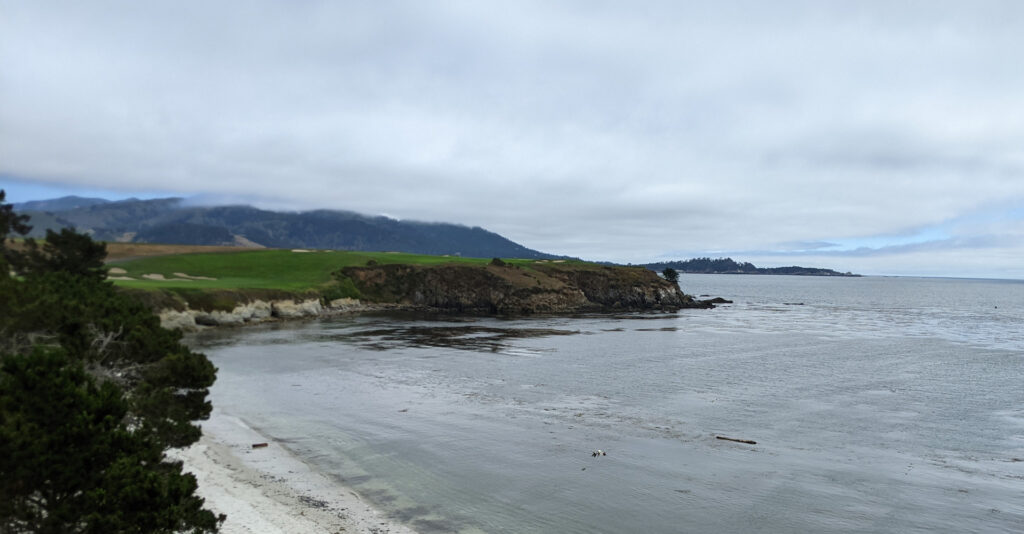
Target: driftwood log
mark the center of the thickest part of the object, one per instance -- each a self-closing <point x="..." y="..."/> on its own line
<point x="747" y="441"/>
<point x="258" y="445"/>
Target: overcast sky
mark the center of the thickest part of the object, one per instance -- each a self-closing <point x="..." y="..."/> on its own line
<point x="877" y="137"/>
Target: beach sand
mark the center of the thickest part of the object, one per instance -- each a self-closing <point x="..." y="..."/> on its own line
<point x="268" y="489"/>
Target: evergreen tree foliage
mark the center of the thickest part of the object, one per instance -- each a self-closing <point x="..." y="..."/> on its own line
<point x="10" y="223"/>
<point x="730" y="266"/>
<point x="670" y="274"/>
<point x="66" y="251"/>
<point x="92" y="392"/>
<point x="70" y="464"/>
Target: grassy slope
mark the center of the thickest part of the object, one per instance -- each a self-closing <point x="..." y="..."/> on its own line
<point x="268" y="269"/>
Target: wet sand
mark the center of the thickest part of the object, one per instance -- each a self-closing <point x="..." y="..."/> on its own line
<point x="269" y="490"/>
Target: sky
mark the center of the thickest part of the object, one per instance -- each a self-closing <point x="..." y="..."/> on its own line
<point x="879" y="137"/>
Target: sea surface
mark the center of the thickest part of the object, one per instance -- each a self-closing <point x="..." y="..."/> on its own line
<point x="877" y="404"/>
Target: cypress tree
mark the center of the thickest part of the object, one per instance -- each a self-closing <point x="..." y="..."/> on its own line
<point x="92" y="394"/>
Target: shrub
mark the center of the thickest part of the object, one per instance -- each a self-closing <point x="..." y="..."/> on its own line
<point x="343" y="288"/>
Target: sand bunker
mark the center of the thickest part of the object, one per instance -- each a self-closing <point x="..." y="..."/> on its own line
<point x="300" y="250"/>
<point x="160" y="278"/>
<point x="120" y="278"/>
<point x="117" y="270"/>
<point x="179" y="277"/>
<point x="190" y="277"/>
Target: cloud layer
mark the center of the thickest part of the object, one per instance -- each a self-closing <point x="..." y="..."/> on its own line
<point x="877" y="136"/>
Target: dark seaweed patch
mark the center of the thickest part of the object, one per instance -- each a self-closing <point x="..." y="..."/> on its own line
<point x="378" y="496"/>
<point x="435" y="525"/>
<point x="475" y="338"/>
<point x="406" y="515"/>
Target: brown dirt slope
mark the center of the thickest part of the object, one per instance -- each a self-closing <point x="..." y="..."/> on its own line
<point x="128" y="251"/>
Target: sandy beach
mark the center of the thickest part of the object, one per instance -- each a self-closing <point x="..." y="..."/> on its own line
<point x="269" y="490"/>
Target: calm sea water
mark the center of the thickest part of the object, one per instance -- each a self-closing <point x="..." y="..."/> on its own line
<point x="877" y="404"/>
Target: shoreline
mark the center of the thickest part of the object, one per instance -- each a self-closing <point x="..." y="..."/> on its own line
<point x="269" y="489"/>
<point x="192" y="321"/>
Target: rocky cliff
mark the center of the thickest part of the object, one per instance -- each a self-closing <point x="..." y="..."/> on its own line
<point x="498" y="288"/>
<point x="541" y="287"/>
<point x="255" y="311"/>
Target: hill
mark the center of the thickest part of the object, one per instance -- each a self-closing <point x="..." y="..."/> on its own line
<point x="58" y="204"/>
<point x="172" y="221"/>
<point x="729" y="266"/>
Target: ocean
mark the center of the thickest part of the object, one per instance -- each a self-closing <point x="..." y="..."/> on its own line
<point x="877" y="404"/>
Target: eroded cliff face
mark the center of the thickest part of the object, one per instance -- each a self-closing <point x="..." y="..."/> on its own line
<point x="508" y="289"/>
<point x="248" y="312"/>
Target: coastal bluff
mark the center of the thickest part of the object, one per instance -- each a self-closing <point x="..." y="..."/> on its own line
<point x="497" y="288"/>
<point x="508" y="289"/>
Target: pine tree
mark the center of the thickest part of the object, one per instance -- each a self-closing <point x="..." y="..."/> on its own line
<point x="92" y="392"/>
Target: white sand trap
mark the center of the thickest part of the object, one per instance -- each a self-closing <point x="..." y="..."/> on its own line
<point x="120" y="278"/>
<point x="161" y="278"/>
<point x="300" y="250"/>
<point x="116" y="270"/>
<point x="557" y="261"/>
<point x="190" y="277"/>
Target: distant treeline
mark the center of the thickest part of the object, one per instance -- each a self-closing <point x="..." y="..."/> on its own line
<point x="730" y="266"/>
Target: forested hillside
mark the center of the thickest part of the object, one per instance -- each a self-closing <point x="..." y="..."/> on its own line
<point x="730" y="266"/>
<point x="171" y="221"/>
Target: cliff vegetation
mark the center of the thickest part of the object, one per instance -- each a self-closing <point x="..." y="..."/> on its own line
<point x="503" y="288"/>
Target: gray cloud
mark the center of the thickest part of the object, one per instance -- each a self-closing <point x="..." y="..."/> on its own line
<point x="600" y="130"/>
<point x="798" y="246"/>
<point x="962" y="244"/>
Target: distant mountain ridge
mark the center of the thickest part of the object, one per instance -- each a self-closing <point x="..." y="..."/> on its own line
<point x="730" y="266"/>
<point x="171" y="221"/>
<point x="59" y="204"/>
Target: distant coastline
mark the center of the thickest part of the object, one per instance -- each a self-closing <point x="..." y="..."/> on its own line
<point x="730" y="266"/>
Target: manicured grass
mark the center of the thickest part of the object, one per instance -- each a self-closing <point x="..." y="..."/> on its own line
<point x="268" y="269"/>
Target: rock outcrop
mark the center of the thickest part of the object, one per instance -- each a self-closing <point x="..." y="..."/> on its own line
<point x="511" y="289"/>
<point x="290" y="309"/>
<point x="253" y="312"/>
<point x="257" y="310"/>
